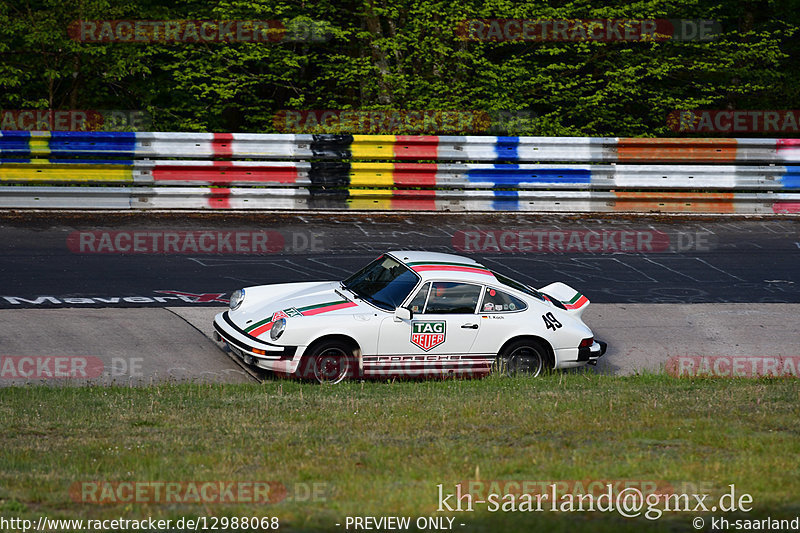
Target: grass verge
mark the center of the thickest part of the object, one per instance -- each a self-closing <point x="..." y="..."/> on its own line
<point x="379" y="449"/>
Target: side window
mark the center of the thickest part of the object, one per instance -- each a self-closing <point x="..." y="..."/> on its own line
<point x="495" y="301"/>
<point x="417" y="304"/>
<point x="453" y="297"/>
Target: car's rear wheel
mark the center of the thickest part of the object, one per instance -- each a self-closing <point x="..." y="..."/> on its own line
<point x="526" y="357"/>
<point x="329" y="362"/>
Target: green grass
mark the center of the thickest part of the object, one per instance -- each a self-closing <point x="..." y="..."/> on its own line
<point x="380" y="448"/>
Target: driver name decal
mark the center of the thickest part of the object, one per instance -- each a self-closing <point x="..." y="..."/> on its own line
<point x="427" y="335"/>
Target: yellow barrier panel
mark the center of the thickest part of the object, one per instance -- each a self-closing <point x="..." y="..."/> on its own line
<point x="40" y="143"/>
<point x="371" y="175"/>
<point x="43" y="170"/>
<point x="373" y="147"/>
<point x="370" y="199"/>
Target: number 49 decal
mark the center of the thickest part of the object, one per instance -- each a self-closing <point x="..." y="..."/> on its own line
<point x="551" y="322"/>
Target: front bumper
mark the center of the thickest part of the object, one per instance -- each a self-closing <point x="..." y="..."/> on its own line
<point x="592" y="353"/>
<point x="252" y="350"/>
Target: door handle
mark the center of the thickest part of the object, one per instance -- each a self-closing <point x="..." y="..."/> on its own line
<point x="469" y="326"/>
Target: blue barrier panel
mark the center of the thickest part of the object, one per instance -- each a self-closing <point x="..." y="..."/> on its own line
<point x="15" y="142"/>
<point x="505" y="175"/>
<point x="791" y="180"/>
<point x="506" y="148"/>
<point x="75" y="143"/>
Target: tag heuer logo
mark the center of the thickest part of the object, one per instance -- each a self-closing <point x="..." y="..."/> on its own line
<point x="427" y="335"/>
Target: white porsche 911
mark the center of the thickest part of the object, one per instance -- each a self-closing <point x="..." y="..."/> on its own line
<point x="409" y="314"/>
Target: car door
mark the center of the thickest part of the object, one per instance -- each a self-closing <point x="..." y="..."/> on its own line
<point x="439" y="336"/>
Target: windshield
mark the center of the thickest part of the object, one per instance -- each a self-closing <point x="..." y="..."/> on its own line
<point x="517" y="285"/>
<point x="385" y="282"/>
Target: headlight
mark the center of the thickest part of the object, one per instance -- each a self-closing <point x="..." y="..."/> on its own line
<point x="236" y="299"/>
<point x="277" y="329"/>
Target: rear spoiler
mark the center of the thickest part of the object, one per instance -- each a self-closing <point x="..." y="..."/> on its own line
<point x="572" y="300"/>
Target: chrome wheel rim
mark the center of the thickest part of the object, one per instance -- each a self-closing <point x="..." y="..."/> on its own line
<point x="331" y="366"/>
<point x="525" y="360"/>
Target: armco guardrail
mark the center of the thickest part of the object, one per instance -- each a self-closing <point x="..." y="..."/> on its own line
<point x="395" y="147"/>
<point x="265" y="171"/>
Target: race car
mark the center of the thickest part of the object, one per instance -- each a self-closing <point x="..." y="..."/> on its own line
<point x="409" y="314"/>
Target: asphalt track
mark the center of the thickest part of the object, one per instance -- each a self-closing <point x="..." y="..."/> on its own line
<point x="123" y="260"/>
<point x="110" y="290"/>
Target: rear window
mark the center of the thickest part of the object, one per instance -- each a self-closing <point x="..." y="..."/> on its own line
<point x="497" y="301"/>
<point x="521" y="287"/>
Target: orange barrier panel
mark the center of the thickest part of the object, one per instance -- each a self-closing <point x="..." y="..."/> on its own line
<point x="695" y="150"/>
<point x="674" y="202"/>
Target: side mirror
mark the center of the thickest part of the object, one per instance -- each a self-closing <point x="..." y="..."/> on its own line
<point x="402" y="313"/>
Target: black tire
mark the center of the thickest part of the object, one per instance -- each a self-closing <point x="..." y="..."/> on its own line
<point x="329" y="362"/>
<point x="526" y="357"/>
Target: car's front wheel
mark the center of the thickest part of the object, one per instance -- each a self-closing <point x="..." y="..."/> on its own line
<point x="523" y="357"/>
<point x="329" y="362"/>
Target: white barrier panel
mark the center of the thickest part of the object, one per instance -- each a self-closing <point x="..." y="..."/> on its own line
<point x="65" y="198"/>
<point x="204" y="198"/>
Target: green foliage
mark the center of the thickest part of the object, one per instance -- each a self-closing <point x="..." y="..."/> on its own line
<point x="402" y="55"/>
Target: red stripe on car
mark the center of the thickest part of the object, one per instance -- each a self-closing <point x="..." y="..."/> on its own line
<point x="335" y="307"/>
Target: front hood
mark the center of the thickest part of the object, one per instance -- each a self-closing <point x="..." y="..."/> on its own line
<point x="265" y="304"/>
